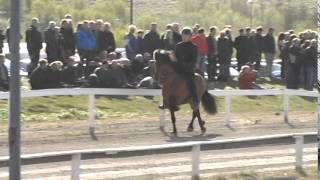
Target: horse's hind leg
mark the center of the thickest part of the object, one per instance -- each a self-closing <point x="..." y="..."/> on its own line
<point x="201" y="122"/>
<point x="190" y="127"/>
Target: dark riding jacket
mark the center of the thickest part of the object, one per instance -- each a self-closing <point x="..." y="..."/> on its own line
<point x="186" y="54"/>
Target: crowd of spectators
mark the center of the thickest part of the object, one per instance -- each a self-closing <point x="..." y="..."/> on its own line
<point x="101" y="66"/>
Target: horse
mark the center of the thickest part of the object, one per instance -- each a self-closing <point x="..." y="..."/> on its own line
<point x="175" y="91"/>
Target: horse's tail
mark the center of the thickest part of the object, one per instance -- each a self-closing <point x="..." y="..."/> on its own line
<point x="209" y="103"/>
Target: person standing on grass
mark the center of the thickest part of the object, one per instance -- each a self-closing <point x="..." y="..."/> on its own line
<point x="152" y="39"/>
<point x="309" y="64"/>
<point x="131" y="43"/>
<point x="4" y="75"/>
<point x="240" y="44"/>
<point x="2" y="38"/>
<point x="34" y="43"/>
<point x="295" y="53"/>
<point x="176" y="34"/>
<point x="212" y="53"/>
<point x="260" y="47"/>
<point x="68" y="42"/>
<point x="269" y="50"/>
<point x="200" y="40"/>
<point x="110" y="40"/>
<point x="140" y="42"/>
<point x="167" y="38"/>
<point x="224" y="54"/>
<point x="52" y="40"/>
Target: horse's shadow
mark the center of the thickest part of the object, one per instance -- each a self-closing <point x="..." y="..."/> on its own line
<point x="185" y="138"/>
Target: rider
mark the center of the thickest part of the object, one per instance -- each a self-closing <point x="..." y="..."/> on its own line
<point x="186" y="54"/>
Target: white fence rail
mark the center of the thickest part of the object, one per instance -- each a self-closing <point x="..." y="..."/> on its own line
<point x="228" y="94"/>
<point x="298" y="139"/>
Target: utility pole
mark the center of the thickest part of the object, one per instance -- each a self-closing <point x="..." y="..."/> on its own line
<point x="14" y="101"/>
<point x="251" y="3"/>
<point x="131" y="11"/>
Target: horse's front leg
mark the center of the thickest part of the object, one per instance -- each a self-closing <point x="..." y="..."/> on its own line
<point x="173" y="119"/>
<point x="190" y="127"/>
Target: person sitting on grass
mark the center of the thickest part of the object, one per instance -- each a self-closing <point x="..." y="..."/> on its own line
<point x="39" y="76"/>
<point x="55" y="75"/>
<point x="247" y="78"/>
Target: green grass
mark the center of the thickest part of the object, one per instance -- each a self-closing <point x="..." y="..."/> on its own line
<point x="76" y="107"/>
<point x="57" y="108"/>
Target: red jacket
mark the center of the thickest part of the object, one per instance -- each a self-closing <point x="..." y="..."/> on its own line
<point x="201" y="42"/>
<point x="247" y="79"/>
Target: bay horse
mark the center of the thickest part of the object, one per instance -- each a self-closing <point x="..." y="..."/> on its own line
<point x="175" y="91"/>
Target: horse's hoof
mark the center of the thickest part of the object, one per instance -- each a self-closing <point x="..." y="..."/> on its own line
<point x="203" y="123"/>
<point x="174" y="133"/>
<point x="203" y="130"/>
<point x="190" y="129"/>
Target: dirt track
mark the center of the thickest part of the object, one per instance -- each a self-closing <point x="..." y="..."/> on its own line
<point x="71" y="135"/>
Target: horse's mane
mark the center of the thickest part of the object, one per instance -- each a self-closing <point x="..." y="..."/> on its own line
<point x="162" y="56"/>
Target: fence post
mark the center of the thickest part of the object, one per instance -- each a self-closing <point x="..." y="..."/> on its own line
<point x="299" y="152"/>
<point x="286" y="107"/>
<point x="196" y="162"/>
<point x="162" y="115"/>
<point x="75" y="166"/>
<point x="92" y="114"/>
<point x="228" y="110"/>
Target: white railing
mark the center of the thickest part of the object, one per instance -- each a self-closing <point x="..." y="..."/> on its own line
<point x="228" y="94"/>
<point x="298" y="139"/>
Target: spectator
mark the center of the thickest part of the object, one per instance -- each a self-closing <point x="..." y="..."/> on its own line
<point x="54" y="75"/>
<point x="270" y="50"/>
<point x="70" y="75"/>
<point x="201" y="41"/>
<point x="111" y="76"/>
<point x="241" y="45"/>
<point x="85" y="42"/>
<point x="212" y="53"/>
<point x="260" y="47"/>
<point x="167" y="38"/>
<point x="93" y="29"/>
<point x="52" y="39"/>
<point x="294" y="64"/>
<point x="176" y="36"/>
<point x="252" y="47"/>
<point x="110" y="40"/>
<point x="309" y="65"/>
<point x="34" y="43"/>
<point x="4" y="75"/>
<point x="68" y="42"/>
<point x="2" y="38"/>
<point x="140" y="42"/>
<point x="131" y="43"/>
<point x="39" y="76"/>
<point x="101" y="38"/>
<point x="281" y="46"/>
<point x="195" y="29"/>
<point x="247" y="78"/>
<point x="224" y="54"/>
<point x="137" y="66"/>
<point x="152" y="39"/>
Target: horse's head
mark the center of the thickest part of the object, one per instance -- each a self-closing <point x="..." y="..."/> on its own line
<point x="164" y="65"/>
